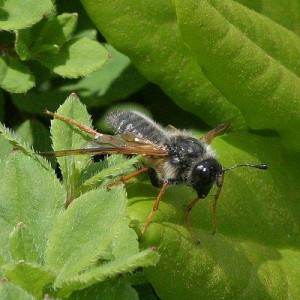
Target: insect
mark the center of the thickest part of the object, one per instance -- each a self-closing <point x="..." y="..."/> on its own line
<point x="172" y="156"/>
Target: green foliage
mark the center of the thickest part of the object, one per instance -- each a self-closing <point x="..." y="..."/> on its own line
<point x="116" y="80"/>
<point x="148" y="33"/>
<point x="9" y="291"/>
<point x="218" y="60"/>
<point x="256" y="71"/>
<point x="19" y="14"/>
<point x="48" y="250"/>
<point x="56" y="46"/>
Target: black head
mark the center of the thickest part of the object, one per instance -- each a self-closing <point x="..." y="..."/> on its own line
<point x="204" y="175"/>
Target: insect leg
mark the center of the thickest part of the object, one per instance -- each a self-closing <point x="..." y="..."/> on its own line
<point x="187" y="219"/>
<point x="220" y="182"/>
<point x="155" y="208"/>
<point x="128" y="176"/>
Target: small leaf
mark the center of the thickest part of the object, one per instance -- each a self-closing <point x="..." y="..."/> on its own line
<point x="18" y="14"/>
<point x="21" y="244"/>
<point x="15" y="140"/>
<point x="32" y="278"/>
<point x="66" y="136"/>
<point x="9" y="291"/>
<point x="17" y="78"/>
<point x="35" y="134"/>
<point x="57" y="31"/>
<point x="47" y="36"/>
<point x="111" y="269"/>
<point x="78" y="57"/>
<point x="28" y="194"/>
<point x="112" y="167"/>
<point x="116" y="80"/>
<point x="118" y="289"/>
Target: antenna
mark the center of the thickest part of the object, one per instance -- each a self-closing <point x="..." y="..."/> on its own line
<point x="257" y="166"/>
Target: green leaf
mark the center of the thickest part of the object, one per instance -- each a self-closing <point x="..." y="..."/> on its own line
<point x="57" y="31"/>
<point x="18" y="14"/>
<point x="66" y="136"/>
<point x="16" y="77"/>
<point x="99" y="213"/>
<point x="5" y="146"/>
<point x="29" y="194"/>
<point x="221" y="268"/>
<point x="21" y="244"/>
<point x="111" y="168"/>
<point x="260" y="60"/>
<point x="15" y="140"/>
<point x="46" y="36"/>
<point x="111" y="269"/>
<point x="9" y="291"/>
<point x="147" y="32"/>
<point x="116" y="80"/>
<point x="35" y="134"/>
<point x="30" y="277"/>
<point x="257" y="240"/>
<point x="285" y="13"/>
<point x="78" y="57"/>
<point x="111" y="290"/>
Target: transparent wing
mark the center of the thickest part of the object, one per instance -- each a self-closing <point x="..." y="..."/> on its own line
<point x="108" y="144"/>
<point x="114" y="144"/>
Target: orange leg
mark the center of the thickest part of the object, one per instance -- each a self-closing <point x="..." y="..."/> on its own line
<point x="155" y="208"/>
<point x="128" y="176"/>
<point x="187" y="219"/>
<point x="214" y="207"/>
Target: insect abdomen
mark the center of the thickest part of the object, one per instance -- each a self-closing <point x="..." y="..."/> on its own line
<point x="138" y="124"/>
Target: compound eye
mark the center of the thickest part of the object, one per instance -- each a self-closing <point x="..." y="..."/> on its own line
<point x="203" y="171"/>
<point x="204" y="175"/>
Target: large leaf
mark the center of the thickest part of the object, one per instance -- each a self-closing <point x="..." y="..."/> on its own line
<point x="221" y="267"/>
<point x="18" y="14"/>
<point x="250" y="59"/>
<point x="257" y="243"/>
<point x="29" y="194"/>
<point x="148" y="33"/>
<point x="285" y="13"/>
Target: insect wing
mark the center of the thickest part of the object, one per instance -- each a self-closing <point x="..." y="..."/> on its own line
<point x="114" y="144"/>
